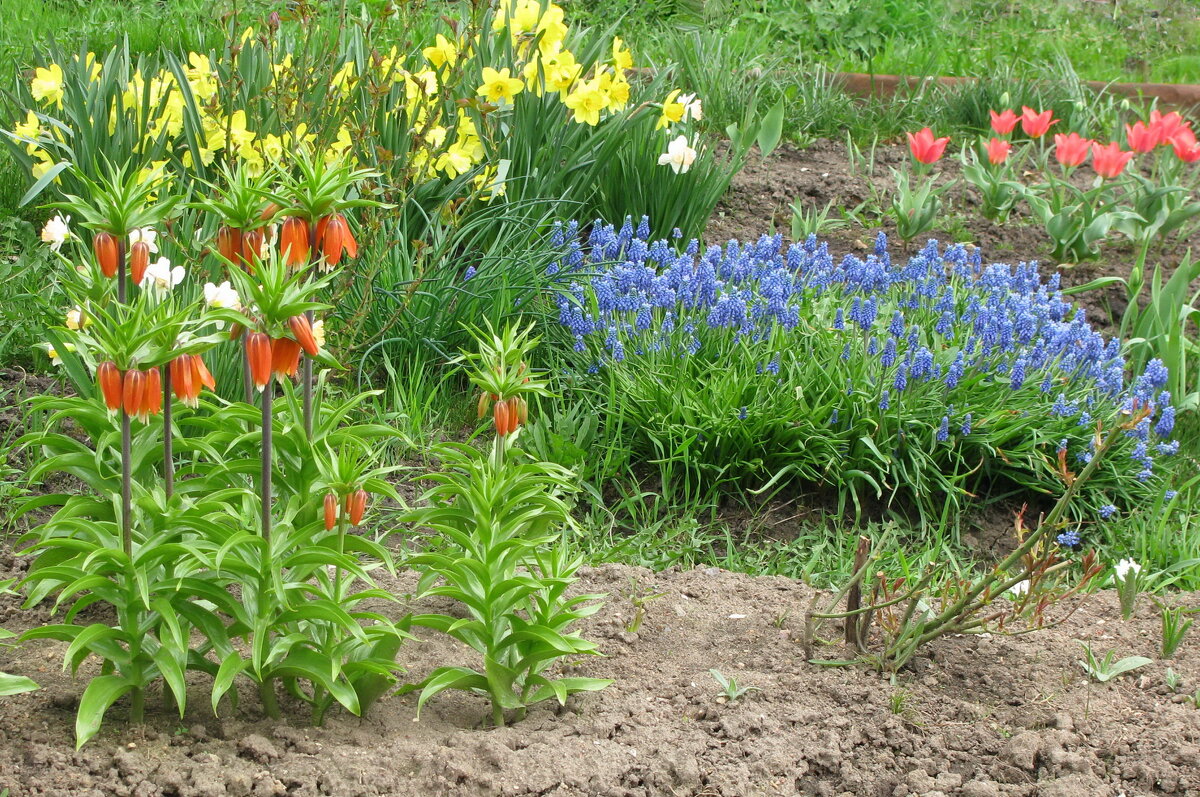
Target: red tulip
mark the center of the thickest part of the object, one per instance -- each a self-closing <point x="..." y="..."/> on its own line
<point x="1185" y="145"/>
<point x="131" y="394"/>
<point x="925" y="148"/>
<point x="997" y="150"/>
<point x="1142" y="138"/>
<point x="331" y="508"/>
<point x="335" y="238"/>
<point x="1004" y="122"/>
<point x="356" y="506"/>
<point x="1071" y="150"/>
<point x="1168" y="125"/>
<point x="258" y="352"/>
<point x="109" y="377"/>
<point x="1036" y="124"/>
<point x="293" y="241"/>
<point x="1109" y="161"/>
<point x="139" y="258"/>
<point x="229" y="243"/>
<point x="152" y="397"/>
<point x="302" y="332"/>
<point x="285" y="357"/>
<point x="104" y="244"/>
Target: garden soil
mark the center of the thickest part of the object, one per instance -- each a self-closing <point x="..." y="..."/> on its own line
<point x="761" y="195"/>
<point x="976" y="716"/>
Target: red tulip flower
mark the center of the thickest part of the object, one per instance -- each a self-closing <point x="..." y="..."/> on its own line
<point x="1004" y="122"/>
<point x="104" y="244"/>
<point x="1071" y="150"/>
<point x="1109" y="161"/>
<point x="1187" y="149"/>
<point x="1036" y="124"/>
<point x="925" y="148"/>
<point x="1168" y="125"/>
<point x="997" y="150"/>
<point x="1142" y="138"/>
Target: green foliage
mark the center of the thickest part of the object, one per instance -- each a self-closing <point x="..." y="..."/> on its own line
<point x="730" y="689"/>
<point x="915" y="209"/>
<point x="1175" y="625"/>
<point x="1106" y="668"/>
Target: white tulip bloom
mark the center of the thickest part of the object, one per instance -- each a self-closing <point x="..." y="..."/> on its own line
<point x="679" y="155"/>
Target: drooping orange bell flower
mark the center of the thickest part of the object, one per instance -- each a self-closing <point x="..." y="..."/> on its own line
<point x="139" y="258"/>
<point x="331" y="508"/>
<point x="334" y="238"/>
<point x="500" y="417"/>
<point x="269" y="211"/>
<point x="356" y="506"/>
<point x="182" y="380"/>
<point x="131" y="394"/>
<point x="152" y="395"/>
<point x="229" y="243"/>
<point x="293" y="241"/>
<point x="302" y="332"/>
<point x="104" y="244"/>
<point x="252" y="244"/>
<point x="285" y="357"/>
<point x="108" y="376"/>
<point x="201" y="373"/>
<point x="258" y="352"/>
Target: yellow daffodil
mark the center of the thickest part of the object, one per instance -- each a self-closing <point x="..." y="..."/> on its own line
<point x="499" y="86"/>
<point x="47" y="85"/>
<point x="76" y="319"/>
<point x="453" y="162"/>
<point x="672" y="111"/>
<point x="442" y="53"/>
<point x="587" y="101"/>
<point x="435" y="137"/>
<point x="45" y="162"/>
<point x="55" y="358"/>
<point x="561" y="72"/>
<point x="91" y="64"/>
<point x="30" y="129"/>
<point x="622" y="58"/>
<point x="551" y="30"/>
<point x="271" y="147"/>
<point x="343" y="79"/>
<point x="617" y="89"/>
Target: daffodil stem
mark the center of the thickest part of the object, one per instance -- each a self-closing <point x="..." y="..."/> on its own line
<point x="267" y="443"/>
<point x="168" y="438"/>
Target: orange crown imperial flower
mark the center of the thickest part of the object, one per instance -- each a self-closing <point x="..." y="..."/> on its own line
<point x="285" y="357"/>
<point x="258" y="352"/>
<point x="303" y="333"/>
<point x="110" y="380"/>
<point x="331" y="510"/>
<point x="104" y="244"/>
<point x="356" y="506"/>
<point x="139" y="259"/>
<point x="293" y="241"/>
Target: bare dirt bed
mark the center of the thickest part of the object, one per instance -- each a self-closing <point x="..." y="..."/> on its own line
<point x="978" y="716"/>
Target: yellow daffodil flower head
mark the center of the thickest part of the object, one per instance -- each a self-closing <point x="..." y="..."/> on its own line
<point x="443" y="53"/>
<point x="561" y="72"/>
<point x="617" y="89"/>
<point x="453" y="162"/>
<point x="622" y="58"/>
<point x="499" y="86"/>
<point x="344" y="78"/>
<point x="47" y="85"/>
<point x="552" y="30"/>
<point x="672" y="111"/>
<point x="30" y="130"/>
<point x="587" y="101"/>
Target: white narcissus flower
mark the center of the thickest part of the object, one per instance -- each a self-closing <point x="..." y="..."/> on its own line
<point x="318" y="330"/>
<point x="55" y="358"/>
<point x="691" y="108"/>
<point x="146" y="234"/>
<point x="679" y="155"/>
<point x="222" y="296"/>
<point x="57" y="232"/>
<point x="1124" y="567"/>
<point x="161" y="276"/>
<point x="76" y="320"/>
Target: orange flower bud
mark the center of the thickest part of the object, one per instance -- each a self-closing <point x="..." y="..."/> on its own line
<point x="334" y="238"/>
<point x="514" y="414"/>
<point x="104" y="244"/>
<point x="139" y="258"/>
<point x="182" y="379"/>
<point x="131" y="394"/>
<point x="229" y="243"/>
<point x="302" y="332"/>
<point x="108" y="376"/>
<point x="235" y="331"/>
<point x="500" y="417"/>
<point x="293" y="241"/>
<point x="285" y="357"/>
<point x="201" y="375"/>
<point x="269" y="211"/>
<point x="331" y="508"/>
<point x="152" y="396"/>
<point x="252" y="244"/>
<point x="522" y="410"/>
<point x="356" y="505"/>
<point x="483" y="405"/>
<point x="258" y="352"/>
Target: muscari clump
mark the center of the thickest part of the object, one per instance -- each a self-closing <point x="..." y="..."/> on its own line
<point x="934" y="380"/>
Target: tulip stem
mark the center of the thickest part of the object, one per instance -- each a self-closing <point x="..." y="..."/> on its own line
<point x="267" y="396"/>
<point x="168" y="437"/>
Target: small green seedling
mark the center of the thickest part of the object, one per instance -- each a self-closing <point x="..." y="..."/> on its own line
<point x="732" y="692"/>
<point x="1109" y="667"/>
<point x="639" y="604"/>
<point x="1173" y="680"/>
<point x="1175" y="625"/>
<point x="781" y="619"/>
<point x="898" y="701"/>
